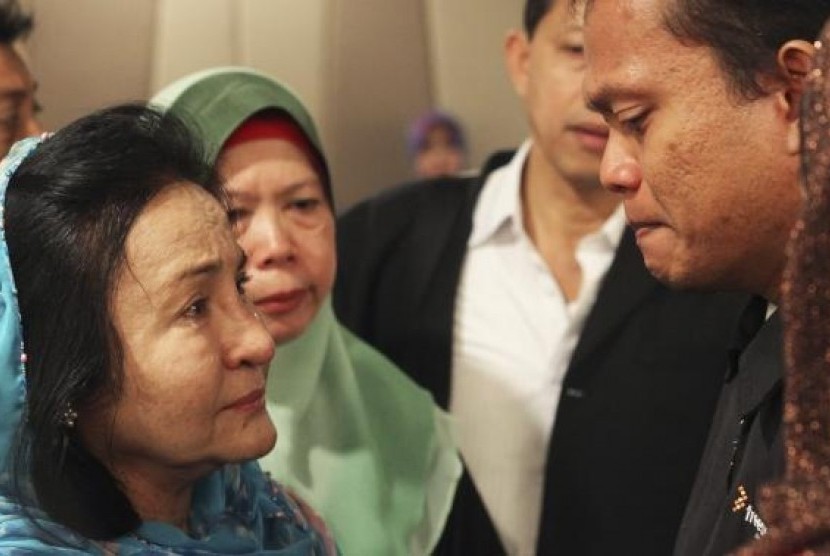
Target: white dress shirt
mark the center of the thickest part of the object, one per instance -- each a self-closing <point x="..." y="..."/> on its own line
<point x="513" y="337"/>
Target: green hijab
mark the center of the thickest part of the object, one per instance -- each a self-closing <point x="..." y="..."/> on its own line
<point x="357" y="438"/>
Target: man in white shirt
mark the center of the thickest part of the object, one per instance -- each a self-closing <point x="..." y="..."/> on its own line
<point x="582" y="399"/>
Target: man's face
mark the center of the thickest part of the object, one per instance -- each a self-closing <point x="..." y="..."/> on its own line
<point x="707" y="182"/>
<point x="17" y="100"/>
<point x="547" y="71"/>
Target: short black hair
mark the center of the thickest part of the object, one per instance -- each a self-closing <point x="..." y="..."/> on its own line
<point x="14" y="22"/>
<point x="534" y="12"/>
<point x="745" y="35"/>
<point x="70" y="207"/>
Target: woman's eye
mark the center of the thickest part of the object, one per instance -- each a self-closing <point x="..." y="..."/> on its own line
<point x="306" y="205"/>
<point x="196" y="309"/>
<point x="242" y="278"/>
<point x="236" y="214"/>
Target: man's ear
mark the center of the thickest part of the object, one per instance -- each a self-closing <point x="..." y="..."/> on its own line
<point x="517" y="58"/>
<point x="795" y="62"/>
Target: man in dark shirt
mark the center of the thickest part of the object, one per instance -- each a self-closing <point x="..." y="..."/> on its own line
<point x="702" y="100"/>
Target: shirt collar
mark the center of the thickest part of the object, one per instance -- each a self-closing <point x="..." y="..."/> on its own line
<point x="499" y="205"/>
<point x="499" y="202"/>
<point x="612" y="230"/>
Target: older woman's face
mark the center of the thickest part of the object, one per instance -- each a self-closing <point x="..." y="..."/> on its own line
<point x="195" y="355"/>
<point x="286" y="227"/>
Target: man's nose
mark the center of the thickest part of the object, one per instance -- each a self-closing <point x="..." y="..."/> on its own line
<point x="619" y="171"/>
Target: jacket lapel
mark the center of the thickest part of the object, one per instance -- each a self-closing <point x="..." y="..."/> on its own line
<point x="432" y="278"/>
<point x="624" y="287"/>
<point x="764" y="356"/>
<point x="444" y="242"/>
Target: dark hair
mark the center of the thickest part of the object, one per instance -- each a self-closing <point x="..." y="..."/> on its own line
<point x="14" y="24"/>
<point x="535" y="11"/>
<point x="70" y="207"/>
<point x="746" y="34"/>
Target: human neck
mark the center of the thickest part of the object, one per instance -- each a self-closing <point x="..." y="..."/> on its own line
<point x="772" y="292"/>
<point x="558" y="214"/>
<point x="158" y="495"/>
<point x="555" y="207"/>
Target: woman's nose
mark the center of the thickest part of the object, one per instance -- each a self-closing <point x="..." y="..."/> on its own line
<point x="248" y="343"/>
<point x="268" y="242"/>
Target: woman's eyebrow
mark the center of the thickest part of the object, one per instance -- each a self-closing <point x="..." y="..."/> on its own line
<point x="202" y="268"/>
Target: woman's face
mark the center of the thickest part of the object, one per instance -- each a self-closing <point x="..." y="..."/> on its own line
<point x="285" y="225"/>
<point x="195" y="355"/>
<point x="440" y="156"/>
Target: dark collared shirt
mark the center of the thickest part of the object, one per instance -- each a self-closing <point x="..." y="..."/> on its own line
<point x="744" y="451"/>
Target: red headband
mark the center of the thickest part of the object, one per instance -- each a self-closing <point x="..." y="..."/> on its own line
<point x="273" y="126"/>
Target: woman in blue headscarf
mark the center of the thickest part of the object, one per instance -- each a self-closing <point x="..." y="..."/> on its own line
<point x="129" y="421"/>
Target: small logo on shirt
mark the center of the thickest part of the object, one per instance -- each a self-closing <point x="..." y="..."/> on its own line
<point x="741" y="504"/>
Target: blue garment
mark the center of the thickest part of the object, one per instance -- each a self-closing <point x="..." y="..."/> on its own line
<point x="235" y="510"/>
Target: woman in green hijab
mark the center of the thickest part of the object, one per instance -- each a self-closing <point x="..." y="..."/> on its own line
<point x="365" y="445"/>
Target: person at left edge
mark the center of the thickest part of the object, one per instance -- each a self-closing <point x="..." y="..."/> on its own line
<point x="18" y="106"/>
<point x="132" y="376"/>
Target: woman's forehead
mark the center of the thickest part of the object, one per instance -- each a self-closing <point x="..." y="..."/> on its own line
<point x="180" y="226"/>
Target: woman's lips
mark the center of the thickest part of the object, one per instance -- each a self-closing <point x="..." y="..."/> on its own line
<point x="251" y="401"/>
<point x="281" y="303"/>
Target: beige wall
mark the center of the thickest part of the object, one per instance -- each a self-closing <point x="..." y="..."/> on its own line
<point x="293" y="48"/>
<point x="90" y="53"/>
<point x="468" y="75"/>
<point x="365" y="68"/>
<point x="285" y="38"/>
<point x="378" y="79"/>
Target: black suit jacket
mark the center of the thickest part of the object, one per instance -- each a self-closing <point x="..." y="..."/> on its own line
<point x="637" y="398"/>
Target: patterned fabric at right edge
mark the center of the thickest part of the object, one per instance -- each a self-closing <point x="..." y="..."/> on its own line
<point x="798" y="508"/>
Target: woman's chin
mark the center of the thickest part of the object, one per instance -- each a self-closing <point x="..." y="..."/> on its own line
<point x="256" y="440"/>
<point x="285" y="328"/>
<point x="265" y="441"/>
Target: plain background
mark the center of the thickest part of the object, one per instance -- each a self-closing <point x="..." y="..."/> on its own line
<point x="365" y="68"/>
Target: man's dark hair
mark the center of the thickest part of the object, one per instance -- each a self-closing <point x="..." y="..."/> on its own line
<point x="535" y="10"/>
<point x="14" y="22"/>
<point x="70" y="207"/>
<point x="745" y="35"/>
